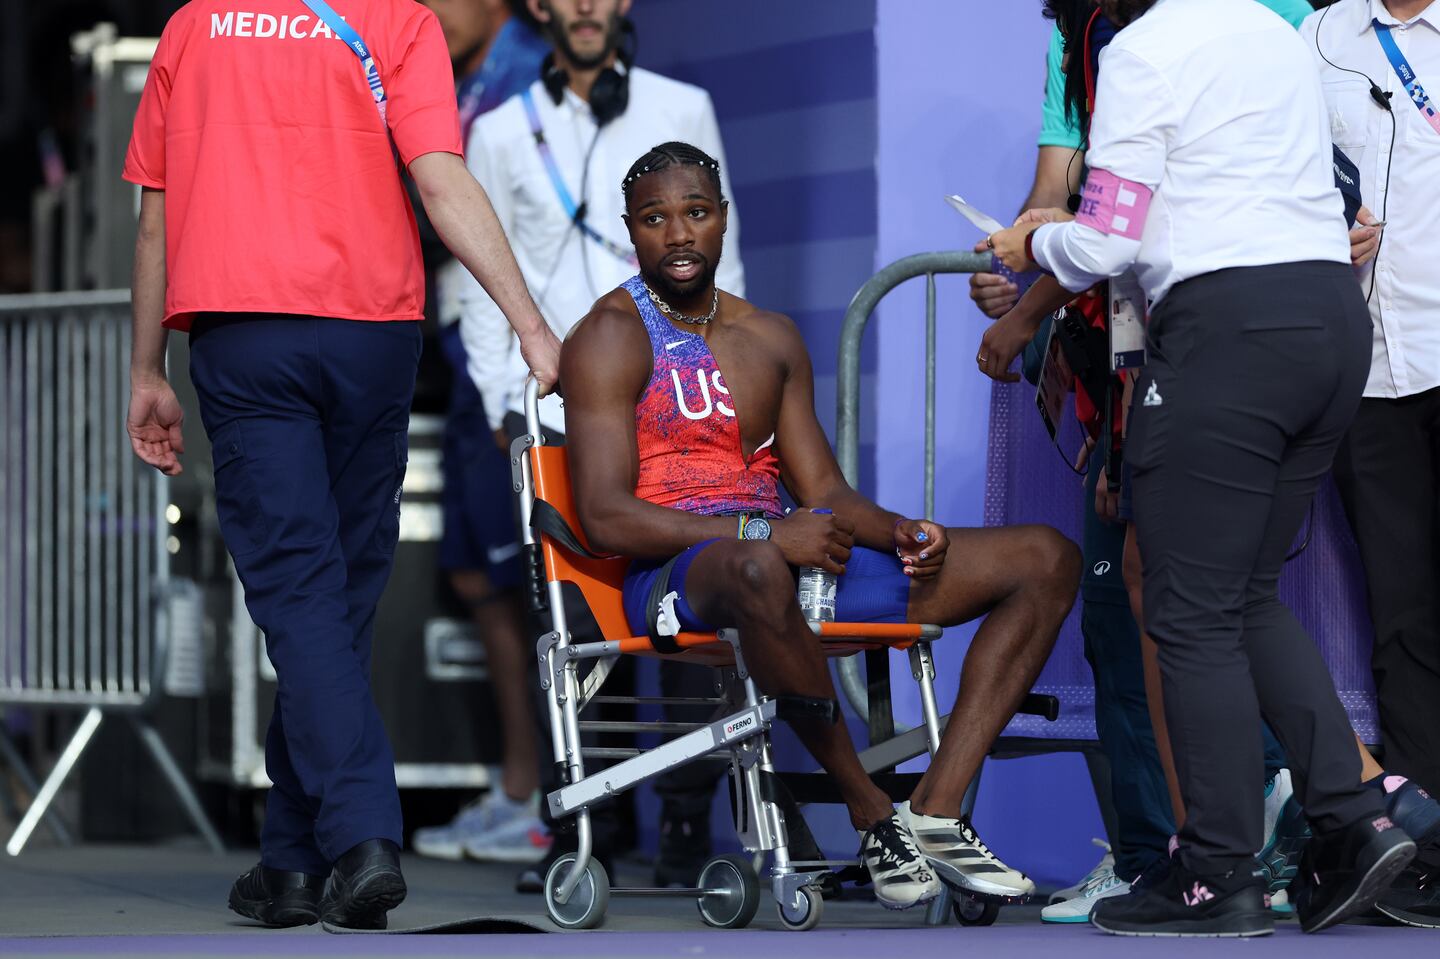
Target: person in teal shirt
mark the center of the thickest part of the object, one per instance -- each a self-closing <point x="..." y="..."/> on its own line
<point x="1060" y="130"/>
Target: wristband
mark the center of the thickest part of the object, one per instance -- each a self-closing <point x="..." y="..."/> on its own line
<point x="1030" y="246"/>
<point x="740" y="530"/>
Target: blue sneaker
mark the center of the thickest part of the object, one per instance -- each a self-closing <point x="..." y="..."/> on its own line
<point x="1414" y="898"/>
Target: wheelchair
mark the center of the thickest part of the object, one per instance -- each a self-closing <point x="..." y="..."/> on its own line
<point x="729" y="892"/>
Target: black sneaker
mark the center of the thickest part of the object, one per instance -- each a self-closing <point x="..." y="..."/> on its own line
<point x="684" y="850"/>
<point x="277" y="898"/>
<point x="1343" y="873"/>
<point x="364" y="885"/>
<point x="1178" y="902"/>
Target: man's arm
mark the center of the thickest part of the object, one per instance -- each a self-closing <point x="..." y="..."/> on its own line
<point x="461" y="214"/>
<point x="813" y="476"/>
<point x="604" y="364"/>
<point x="155" y="416"/>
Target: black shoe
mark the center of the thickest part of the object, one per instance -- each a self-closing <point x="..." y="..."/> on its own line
<point x="364" y="885"/>
<point x="1178" y="902"/>
<point x="277" y="898"/>
<point x="1414" y="898"/>
<point x="1343" y="873"/>
<point x="684" y="849"/>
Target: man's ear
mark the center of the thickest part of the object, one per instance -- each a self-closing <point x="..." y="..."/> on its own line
<point x="724" y="215"/>
<point x="539" y="9"/>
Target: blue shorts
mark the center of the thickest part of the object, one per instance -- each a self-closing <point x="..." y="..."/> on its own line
<point x="874" y="589"/>
<point x="477" y="504"/>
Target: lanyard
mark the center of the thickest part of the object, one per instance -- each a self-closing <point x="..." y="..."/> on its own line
<point x="1407" y="76"/>
<point x="572" y="210"/>
<point x="352" y="40"/>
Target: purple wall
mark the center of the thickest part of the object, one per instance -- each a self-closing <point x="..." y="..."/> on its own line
<point x="959" y="90"/>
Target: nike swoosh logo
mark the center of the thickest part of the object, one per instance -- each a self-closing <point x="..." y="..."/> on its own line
<point x="671" y="346"/>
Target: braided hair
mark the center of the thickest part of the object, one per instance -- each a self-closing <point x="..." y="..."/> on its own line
<point x="673" y="153"/>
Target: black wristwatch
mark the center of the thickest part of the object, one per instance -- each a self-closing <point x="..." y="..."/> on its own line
<point x="755" y="527"/>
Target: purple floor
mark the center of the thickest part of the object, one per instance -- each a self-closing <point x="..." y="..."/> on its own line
<point x="169" y="901"/>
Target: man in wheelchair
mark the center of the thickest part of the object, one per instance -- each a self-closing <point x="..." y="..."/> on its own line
<point x="678" y="466"/>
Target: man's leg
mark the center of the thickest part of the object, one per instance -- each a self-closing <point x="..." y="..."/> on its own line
<point x="262" y="407"/>
<point x="748" y="585"/>
<point x="1388" y="474"/>
<point x="1122" y="719"/>
<point x="1023" y="581"/>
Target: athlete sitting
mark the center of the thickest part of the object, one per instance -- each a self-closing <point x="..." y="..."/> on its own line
<point x="666" y="452"/>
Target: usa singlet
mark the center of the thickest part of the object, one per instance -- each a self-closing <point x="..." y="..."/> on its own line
<point x="691" y="453"/>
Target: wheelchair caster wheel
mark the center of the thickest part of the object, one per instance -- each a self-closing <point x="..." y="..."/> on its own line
<point x="803" y="913"/>
<point x="732" y="892"/>
<point x="588" y="901"/>
<point x="975" y="912"/>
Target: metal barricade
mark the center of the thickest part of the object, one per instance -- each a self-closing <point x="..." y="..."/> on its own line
<point x="847" y="426"/>
<point x="84" y="599"/>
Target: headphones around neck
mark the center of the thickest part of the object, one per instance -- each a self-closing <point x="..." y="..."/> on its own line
<point x="611" y="93"/>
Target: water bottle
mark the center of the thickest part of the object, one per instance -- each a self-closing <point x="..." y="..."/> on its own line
<point x="817" y="591"/>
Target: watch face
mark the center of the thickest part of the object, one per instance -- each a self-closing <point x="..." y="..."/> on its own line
<point x="757" y="529"/>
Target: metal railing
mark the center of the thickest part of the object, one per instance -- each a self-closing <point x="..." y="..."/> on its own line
<point x="84" y="605"/>
<point x="847" y="410"/>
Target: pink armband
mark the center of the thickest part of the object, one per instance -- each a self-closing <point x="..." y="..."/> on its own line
<point x="1114" y="206"/>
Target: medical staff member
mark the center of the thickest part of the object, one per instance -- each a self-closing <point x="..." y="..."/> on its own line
<point x="1211" y="176"/>
<point x="275" y="230"/>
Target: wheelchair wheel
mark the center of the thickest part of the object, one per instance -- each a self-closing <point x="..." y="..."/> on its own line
<point x="803" y="914"/>
<point x="970" y="911"/>
<point x="587" y="905"/>
<point x="734" y="895"/>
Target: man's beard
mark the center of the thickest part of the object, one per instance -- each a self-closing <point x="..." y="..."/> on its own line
<point x="669" y="291"/>
<point x="560" y="31"/>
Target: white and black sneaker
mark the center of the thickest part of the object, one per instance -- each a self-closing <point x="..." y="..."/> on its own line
<point x="901" y="876"/>
<point x="961" y="860"/>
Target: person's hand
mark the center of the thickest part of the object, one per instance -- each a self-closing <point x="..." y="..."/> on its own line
<point x="541" y="350"/>
<point x="992" y="293"/>
<point x="154" y="424"/>
<point x="1365" y="238"/>
<point x="1107" y="503"/>
<point x="1009" y="247"/>
<point x="1001" y="343"/>
<point x="814" y="539"/>
<point x="921" y="546"/>
<point x="1042" y="215"/>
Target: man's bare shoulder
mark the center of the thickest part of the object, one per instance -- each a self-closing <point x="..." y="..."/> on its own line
<point x="774" y="329"/>
<point x="610" y="339"/>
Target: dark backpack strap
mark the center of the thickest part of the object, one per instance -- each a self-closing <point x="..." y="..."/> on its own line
<point x="658" y="590"/>
<point x="547" y="519"/>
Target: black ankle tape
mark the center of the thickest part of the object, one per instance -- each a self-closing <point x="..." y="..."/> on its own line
<point x="790" y="708"/>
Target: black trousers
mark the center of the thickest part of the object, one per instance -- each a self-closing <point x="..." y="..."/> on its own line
<point x="1388" y="473"/>
<point x="1253" y="377"/>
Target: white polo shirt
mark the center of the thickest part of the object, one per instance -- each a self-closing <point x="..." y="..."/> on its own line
<point x="1405" y="304"/>
<point x="565" y="271"/>
<point x="1209" y="112"/>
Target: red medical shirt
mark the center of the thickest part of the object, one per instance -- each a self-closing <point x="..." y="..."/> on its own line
<point x="281" y="191"/>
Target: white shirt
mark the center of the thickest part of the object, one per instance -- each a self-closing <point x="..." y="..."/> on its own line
<point x="553" y="254"/>
<point x="1405" y="304"/>
<point x="1213" y="106"/>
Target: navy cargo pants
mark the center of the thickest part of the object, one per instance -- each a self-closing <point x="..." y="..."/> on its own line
<point x="307" y="419"/>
